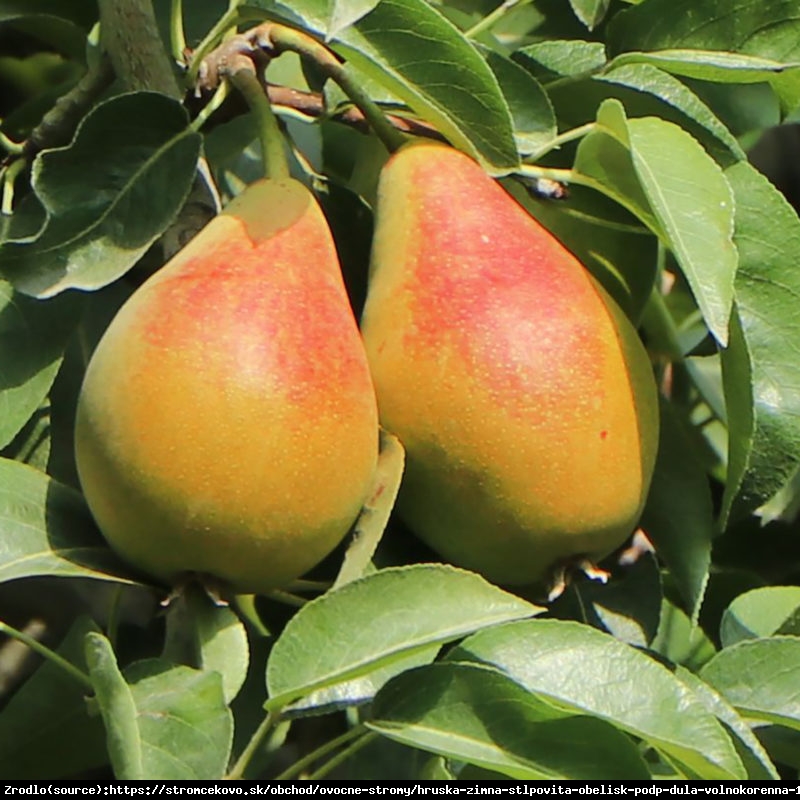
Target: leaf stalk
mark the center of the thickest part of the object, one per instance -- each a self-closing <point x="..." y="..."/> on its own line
<point x="50" y="655"/>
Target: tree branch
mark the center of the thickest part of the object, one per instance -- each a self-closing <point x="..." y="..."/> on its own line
<point x="130" y="36"/>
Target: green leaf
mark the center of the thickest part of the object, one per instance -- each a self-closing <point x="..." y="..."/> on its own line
<point x="532" y="114"/>
<point x="761" y="368"/>
<point x="108" y="195"/>
<point x="478" y="715"/>
<point x="709" y="65"/>
<point x="371" y="523"/>
<point x="761" y="613"/>
<point x="739" y="27"/>
<point x="343" y="13"/>
<point x="185" y="727"/>
<point x="411" y="49"/>
<point x="691" y="200"/>
<point x="590" y="672"/>
<point x="164" y="722"/>
<point x="565" y="58"/>
<point x="758" y="763"/>
<point x="604" y="157"/>
<point x="651" y="80"/>
<point x="359" y="690"/>
<point x="208" y="636"/>
<point x="376" y="620"/>
<point x="759" y="678"/>
<point x="33" y="336"/>
<point x="445" y="81"/>
<point x="590" y="12"/>
<point x="45" y="728"/>
<point x="46" y="529"/>
<point x="679" y="514"/>
<point x="117" y="708"/>
<point x="681" y="641"/>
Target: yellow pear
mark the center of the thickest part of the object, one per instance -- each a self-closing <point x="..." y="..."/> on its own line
<point x="227" y="423"/>
<point x="521" y="392"/>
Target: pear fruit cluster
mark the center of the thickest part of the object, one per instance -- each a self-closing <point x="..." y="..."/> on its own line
<point x="227" y="422"/>
<point x="521" y="392"/>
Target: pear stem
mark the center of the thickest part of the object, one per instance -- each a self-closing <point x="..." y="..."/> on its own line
<point x="210" y="107"/>
<point x="284" y="38"/>
<point x="47" y="653"/>
<point x="226" y="23"/>
<point x="9" y="145"/>
<point x="276" y="165"/>
<point x="177" y="36"/>
<point x="573" y="176"/>
<point x="287" y="598"/>
<point x="9" y="176"/>
<point x="561" y="139"/>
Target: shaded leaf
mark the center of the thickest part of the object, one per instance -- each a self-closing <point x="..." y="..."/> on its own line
<point x="81" y="12"/>
<point x="32" y="444"/>
<point x="208" y="636"/>
<point x="628" y="606"/>
<point x="737" y="26"/>
<point x="532" y="114"/>
<point x="679" y="514"/>
<point x="478" y="715"/>
<point x="761" y="368"/>
<point x="108" y="195"/>
<point x="33" y="336"/>
<point x="759" y="678"/>
<point x="376" y="620"/>
<point x="746" y="27"/>
<point x="45" y="728"/>
<point x="590" y="672"/>
<point x="46" y="529"/>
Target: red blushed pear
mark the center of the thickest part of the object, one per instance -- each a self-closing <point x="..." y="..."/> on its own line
<point x="521" y="392"/>
<point x="227" y="423"/>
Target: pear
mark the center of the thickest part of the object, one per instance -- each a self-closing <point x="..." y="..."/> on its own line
<point x="521" y="392"/>
<point x="227" y="422"/>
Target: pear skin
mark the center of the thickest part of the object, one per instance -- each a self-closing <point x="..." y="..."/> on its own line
<point x="521" y="392"/>
<point x="227" y="423"/>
